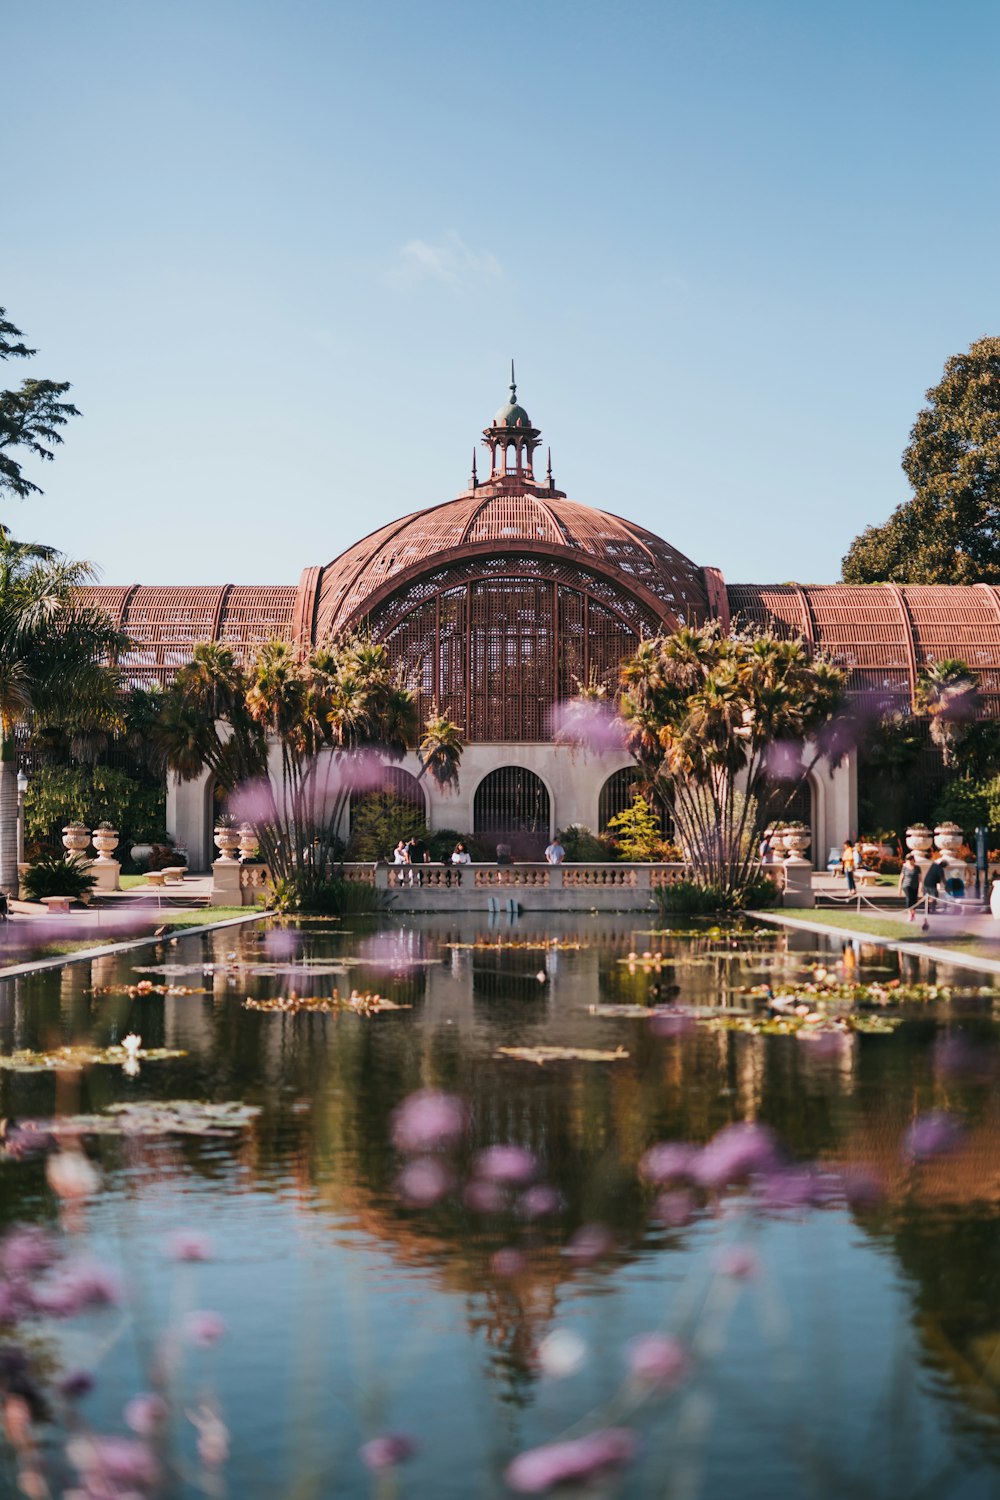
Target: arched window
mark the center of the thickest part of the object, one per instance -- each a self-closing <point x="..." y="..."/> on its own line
<point x="616" y="796"/>
<point x="512" y="807"/>
<point x="395" y="783"/>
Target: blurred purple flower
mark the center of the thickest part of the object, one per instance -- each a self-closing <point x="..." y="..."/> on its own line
<point x="540" y="1469"/>
<point x="656" y="1359"/>
<point x="281" y="942"/>
<point x="784" y="761"/>
<point x="540" y="1202"/>
<point x="385" y="1452"/>
<point x="253" y="802"/>
<point x="510" y="1164"/>
<point x="76" y="1384"/>
<point x="863" y="1190"/>
<point x="81" y="1286"/>
<point x="589" y="1244"/>
<point x="737" y="1261"/>
<point x="26" y="1250"/>
<point x="424" y="1181"/>
<point x="428" y="1121"/>
<point x="104" y="1463"/>
<point x="675" y="1209"/>
<point x="203" y="1329"/>
<point x="590" y="723"/>
<point x="955" y="1057"/>
<point x="666" y="1162"/>
<point x="484" y="1197"/>
<point x="932" y="1134"/>
<point x="665" y="1024"/>
<point x="795" y="1187"/>
<point x="734" y="1153"/>
<point x="145" y="1413"/>
<point x="190" y="1245"/>
<point x="508" y="1262"/>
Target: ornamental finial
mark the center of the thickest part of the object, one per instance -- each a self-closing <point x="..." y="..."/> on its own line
<point x="513" y="383"/>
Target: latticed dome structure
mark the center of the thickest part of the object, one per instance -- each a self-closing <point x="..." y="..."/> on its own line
<point x="499" y="603"/>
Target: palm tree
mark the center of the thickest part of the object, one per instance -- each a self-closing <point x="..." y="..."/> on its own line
<point x="440" y="750"/>
<point x="55" y="655"/>
<point x="948" y="692"/>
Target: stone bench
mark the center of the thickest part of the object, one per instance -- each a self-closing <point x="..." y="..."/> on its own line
<point x="57" y="903"/>
<point x="156" y="877"/>
<point x="866" y="877"/>
<point x="173" y="874"/>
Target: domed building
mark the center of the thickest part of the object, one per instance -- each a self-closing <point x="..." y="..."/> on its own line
<point x="500" y="603"/>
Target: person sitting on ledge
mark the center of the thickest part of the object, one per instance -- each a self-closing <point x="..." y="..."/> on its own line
<point x="460" y="855"/>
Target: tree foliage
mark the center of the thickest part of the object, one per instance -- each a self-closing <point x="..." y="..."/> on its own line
<point x="30" y="417"/>
<point x="714" y="721"/>
<point x="293" y="738"/>
<point x="59" y="794"/>
<point x="949" y="531"/>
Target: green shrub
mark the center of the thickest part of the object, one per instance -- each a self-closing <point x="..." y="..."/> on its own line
<point x="50" y="876"/>
<point x="61" y="794"/>
<point x="378" y="821"/>
<point x="441" y="844"/>
<point x="692" y="899"/>
<point x="584" y="846"/>
<point x="637" y="832"/>
<point x="328" y="898"/>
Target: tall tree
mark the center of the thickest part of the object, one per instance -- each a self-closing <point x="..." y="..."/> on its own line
<point x="30" y="417"/>
<point x="294" y="737"/>
<point x="949" y="532"/>
<point x="710" y="717"/>
<point x="54" y="655"/>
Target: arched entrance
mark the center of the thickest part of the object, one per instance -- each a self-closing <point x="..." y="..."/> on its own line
<point x="512" y="807"/>
<point x="617" y="793"/>
<point x="395" y="809"/>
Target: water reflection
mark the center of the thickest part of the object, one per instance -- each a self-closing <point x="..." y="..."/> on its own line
<point x="320" y="1151"/>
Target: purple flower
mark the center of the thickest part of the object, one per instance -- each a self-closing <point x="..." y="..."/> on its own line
<point x="675" y="1209"/>
<point x="204" y="1329"/>
<point x="539" y="1202"/>
<point x="103" y="1462"/>
<point x="424" y="1182"/>
<point x="508" y="1262"/>
<point x="932" y="1134"/>
<point x="509" y="1164"/>
<point x="795" y="1187"/>
<point x="76" y="1384"/>
<point x="484" y="1197"/>
<point x="667" y="1025"/>
<point x="734" y="1153"/>
<point x="864" y="1190"/>
<point x="589" y="1244"/>
<point x="666" y="1161"/>
<point x="590" y="722"/>
<point x="145" y="1413"/>
<point x="656" y="1359"/>
<point x="387" y="1451"/>
<point x="737" y="1261"/>
<point x="541" y="1469"/>
<point x="81" y="1287"/>
<point x="190" y="1245"/>
<point x="27" y="1250"/>
<point x="956" y="1057"/>
<point x="428" y="1121"/>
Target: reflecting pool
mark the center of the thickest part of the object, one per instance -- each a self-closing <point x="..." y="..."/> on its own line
<point x="828" y="1320"/>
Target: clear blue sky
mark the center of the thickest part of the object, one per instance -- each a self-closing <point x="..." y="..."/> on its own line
<point x="285" y="252"/>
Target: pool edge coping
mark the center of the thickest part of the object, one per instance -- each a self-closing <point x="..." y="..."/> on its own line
<point x="36" y="965"/>
<point x="918" y="950"/>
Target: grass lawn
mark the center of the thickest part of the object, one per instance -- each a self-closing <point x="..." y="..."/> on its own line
<point x="965" y="943"/>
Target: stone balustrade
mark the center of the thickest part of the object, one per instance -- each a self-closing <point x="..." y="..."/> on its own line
<point x="615" y="886"/>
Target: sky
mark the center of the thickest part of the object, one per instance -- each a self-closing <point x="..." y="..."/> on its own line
<point x="286" y="252"/>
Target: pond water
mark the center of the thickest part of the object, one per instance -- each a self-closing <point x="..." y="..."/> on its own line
<point x="840" y="1337"/>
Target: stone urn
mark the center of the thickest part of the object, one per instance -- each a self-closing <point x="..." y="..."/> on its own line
<point x="797" y="838"/>
<point x="248" y="841"/>
<point x="919" y="839"/>
<point x="105" y="842"/>
<point x="76" y="840"/>
<point x="141" y="855"/>
<point x="948" y="837"/>
<point x="228" y="840"/>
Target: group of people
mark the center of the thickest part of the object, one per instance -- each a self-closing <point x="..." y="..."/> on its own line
<point x="932" y="882"/>
<point x="415" y="852"/>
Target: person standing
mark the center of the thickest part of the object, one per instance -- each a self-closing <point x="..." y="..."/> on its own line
<point x="555" y="853"/>
<point x="399" y="856"/>
<point x="934" y="877"/>
<point x="418" y="855"/>
<point x="460" y="855"/>
<point x="849" y="859"/>
<point x="909" y="884"/>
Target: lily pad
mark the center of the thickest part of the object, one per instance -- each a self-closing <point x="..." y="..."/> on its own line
<point x="81" y="1056"/>
<point x="542" y="1055"/>
<point x="355" y="1004"/>
<point x="148" y="1117"/>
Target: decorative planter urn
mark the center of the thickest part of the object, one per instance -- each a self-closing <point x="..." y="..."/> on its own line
<point x="248" y="841"/>
<point x="105" y="842"/>
<point x="141" y="854"/>
<point x="948" y="837"/>
<point x="797" y="841"/>
<point x="76" y="839"/>
<point x="919" y="840"/>
<point x="228" y="841"/>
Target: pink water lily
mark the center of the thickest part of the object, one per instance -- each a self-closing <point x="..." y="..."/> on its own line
<point x="540" y="1469"/>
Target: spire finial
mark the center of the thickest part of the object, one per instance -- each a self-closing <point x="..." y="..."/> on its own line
<point x="475" y="476"/>
<point x="513" y="383"/>
<point x="549" y="467"/>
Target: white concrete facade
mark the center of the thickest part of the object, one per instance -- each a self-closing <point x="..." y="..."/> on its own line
<point x="572" y="777"/>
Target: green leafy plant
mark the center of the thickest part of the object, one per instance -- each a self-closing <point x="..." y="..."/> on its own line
<point x="636" y="831"/>
<point x="584" y="846"/>
<point x="51" y="876"/>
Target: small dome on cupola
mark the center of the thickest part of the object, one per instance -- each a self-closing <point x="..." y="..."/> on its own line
<point x="512" y="414"/>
